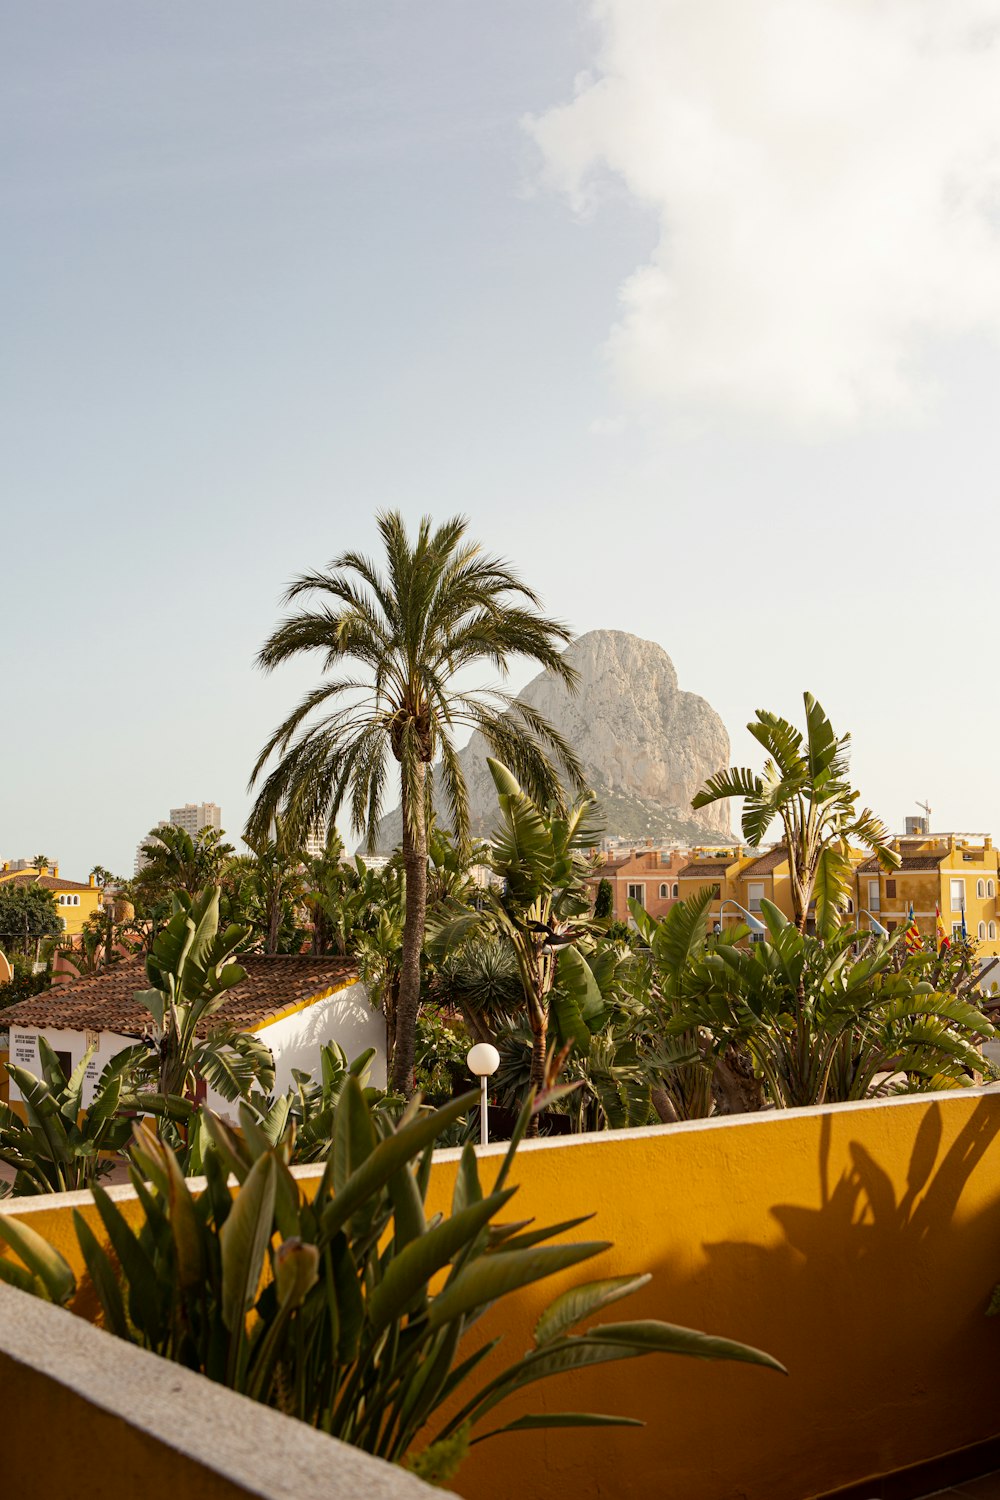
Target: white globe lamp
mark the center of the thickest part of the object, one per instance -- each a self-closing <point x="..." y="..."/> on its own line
<point x="483" y="1061"/>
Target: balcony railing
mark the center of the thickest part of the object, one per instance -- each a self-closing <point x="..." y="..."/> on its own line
<point x="858" y="1243"/>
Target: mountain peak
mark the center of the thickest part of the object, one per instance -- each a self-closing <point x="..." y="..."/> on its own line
<point x="645" y="745"/>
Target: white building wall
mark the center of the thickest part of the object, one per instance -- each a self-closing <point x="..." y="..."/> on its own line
<point x="24" y="1052"/>
<point x="346" y="1017"/>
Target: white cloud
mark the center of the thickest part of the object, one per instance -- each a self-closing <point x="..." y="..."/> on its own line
<point x="825" y="175"/>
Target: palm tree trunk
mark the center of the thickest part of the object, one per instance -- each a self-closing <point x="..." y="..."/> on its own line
<point x="415" y="866"/>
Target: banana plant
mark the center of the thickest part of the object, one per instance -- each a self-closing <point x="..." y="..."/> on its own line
<point x="324" y="1308"/>
<point x="826" y="1023"/>
<point x="804" y="785"/>
<point x="60" y="1146"/>
<point x="190" y="972"/>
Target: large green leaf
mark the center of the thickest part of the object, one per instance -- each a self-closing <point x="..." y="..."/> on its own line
<point x="409" y="1272"/>
<point x="402" y="1146"/>
<point x="582" y="1302"/>
<point x="102" y="1277"/>
<point x="52" y="1270"/>
<point x="537" y="1423"/>
<point x="494" y="1276"/>
<point x="243" y="1242"/>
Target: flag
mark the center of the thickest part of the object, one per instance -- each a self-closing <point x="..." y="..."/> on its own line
<point x="914" y="942"/>
<point x="943" y="940"/>
<point x="965" y="935"/>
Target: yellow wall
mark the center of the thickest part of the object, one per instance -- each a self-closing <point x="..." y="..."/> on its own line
<point x="858" y="1244"/>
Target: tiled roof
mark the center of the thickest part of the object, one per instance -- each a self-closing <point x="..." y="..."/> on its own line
<point x="47" y="882"/>
<point x="909" y="862"/>
<point x="766" y="865"/>
<point x="704" y="867"/>
<point x="108" y="1003"/>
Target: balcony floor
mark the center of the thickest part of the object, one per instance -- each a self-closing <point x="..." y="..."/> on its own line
<point x="985" y="1488"/>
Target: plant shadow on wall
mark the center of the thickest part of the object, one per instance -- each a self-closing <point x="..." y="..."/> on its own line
<point x="885" y="1278"/>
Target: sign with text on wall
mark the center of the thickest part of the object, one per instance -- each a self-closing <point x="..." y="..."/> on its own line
<point x="24" y="1049"/>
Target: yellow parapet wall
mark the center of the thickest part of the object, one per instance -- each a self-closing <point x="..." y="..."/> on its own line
<point x="857" y="1243"/>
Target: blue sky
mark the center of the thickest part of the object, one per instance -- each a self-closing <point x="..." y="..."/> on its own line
<point x="268" y="268"/>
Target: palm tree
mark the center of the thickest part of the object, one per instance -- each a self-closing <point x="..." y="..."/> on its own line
<point x="804" y="784"/>
<point x="395" y="644"/>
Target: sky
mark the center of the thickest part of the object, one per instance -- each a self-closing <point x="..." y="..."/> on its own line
<point x="691" y="306"/>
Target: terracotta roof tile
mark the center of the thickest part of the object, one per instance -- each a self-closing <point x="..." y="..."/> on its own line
<point x="910" y="862"/>
<point x="701" y="867"/>
<point x="47" y="882"/>
<point x="108" y="1003"/>
<point x="766" y="865"/>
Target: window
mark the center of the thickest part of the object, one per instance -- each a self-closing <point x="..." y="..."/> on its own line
<point x="664" y="892"/>
<point x="637" y="893"/>
<point x="676" y="888"/>
<point x="873" y="896"/>
<point x="991" y="889"/>
<point x="757" y="937"/>
<point x="981" y="934"/>
<point x="65" y="1061"/>
<point x="993" y="932"/>
<point x="850" y="907"/>
<point x="890" y="890"/>
<point x="958" y="895"/>
<point x="956" y="930"/>
<point x="890" y="926"/>
<point x="755" y="894"/>
<point x="981" y="889"/>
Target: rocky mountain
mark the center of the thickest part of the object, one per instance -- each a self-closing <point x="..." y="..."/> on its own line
<point x="646" y="746"/>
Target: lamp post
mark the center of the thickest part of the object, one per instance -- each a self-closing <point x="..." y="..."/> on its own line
<point x="483" y="1060"/>
<point x="754" y="923"/>
<point x="874" y="924"/>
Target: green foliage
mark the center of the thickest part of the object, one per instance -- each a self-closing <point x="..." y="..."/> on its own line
<point x="265" y="891"/>
<point x="28" y="913"/>
<point x="540" y="915"/>
<point x="56" y="1148"/>
<point x="604" y="902"/>
<point x="804" y="784"/>
<point x="323" y="1307"/>
<point x="312" y="1103"/>
<point x="24" y="984"/>
<point x="177" y="861"/>
<point x="442" y="1046"/>
<point x="821" y="1021"/>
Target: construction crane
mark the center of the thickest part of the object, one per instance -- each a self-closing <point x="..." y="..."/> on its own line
<point x="927" y="810"/>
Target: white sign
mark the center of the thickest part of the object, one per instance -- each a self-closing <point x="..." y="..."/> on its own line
<point x="24" y="1049"/>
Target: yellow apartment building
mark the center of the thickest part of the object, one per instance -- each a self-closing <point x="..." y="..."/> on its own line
<point x="74" y="900"/>
<point x="953" y="872"/>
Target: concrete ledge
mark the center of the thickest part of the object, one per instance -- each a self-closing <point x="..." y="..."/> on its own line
<point x="92" y="1417"/>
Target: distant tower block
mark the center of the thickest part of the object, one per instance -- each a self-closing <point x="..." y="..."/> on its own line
<point x="315" y="840"/>
<point x="194" y="816"/>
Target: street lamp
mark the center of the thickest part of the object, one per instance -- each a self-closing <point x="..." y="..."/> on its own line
<point x="483" y="1060"/>
<point x="754" y="923"/>
<point x="874" y="924"/>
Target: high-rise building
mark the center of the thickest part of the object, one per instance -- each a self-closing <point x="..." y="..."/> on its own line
<point x="315" y="840"/>
<point x="194" y="816"/>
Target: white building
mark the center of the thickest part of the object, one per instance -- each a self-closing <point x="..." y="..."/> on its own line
<point x="315" y="841"/>
<point x="194" y="816"/>
<point x="295" y="1004"/>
